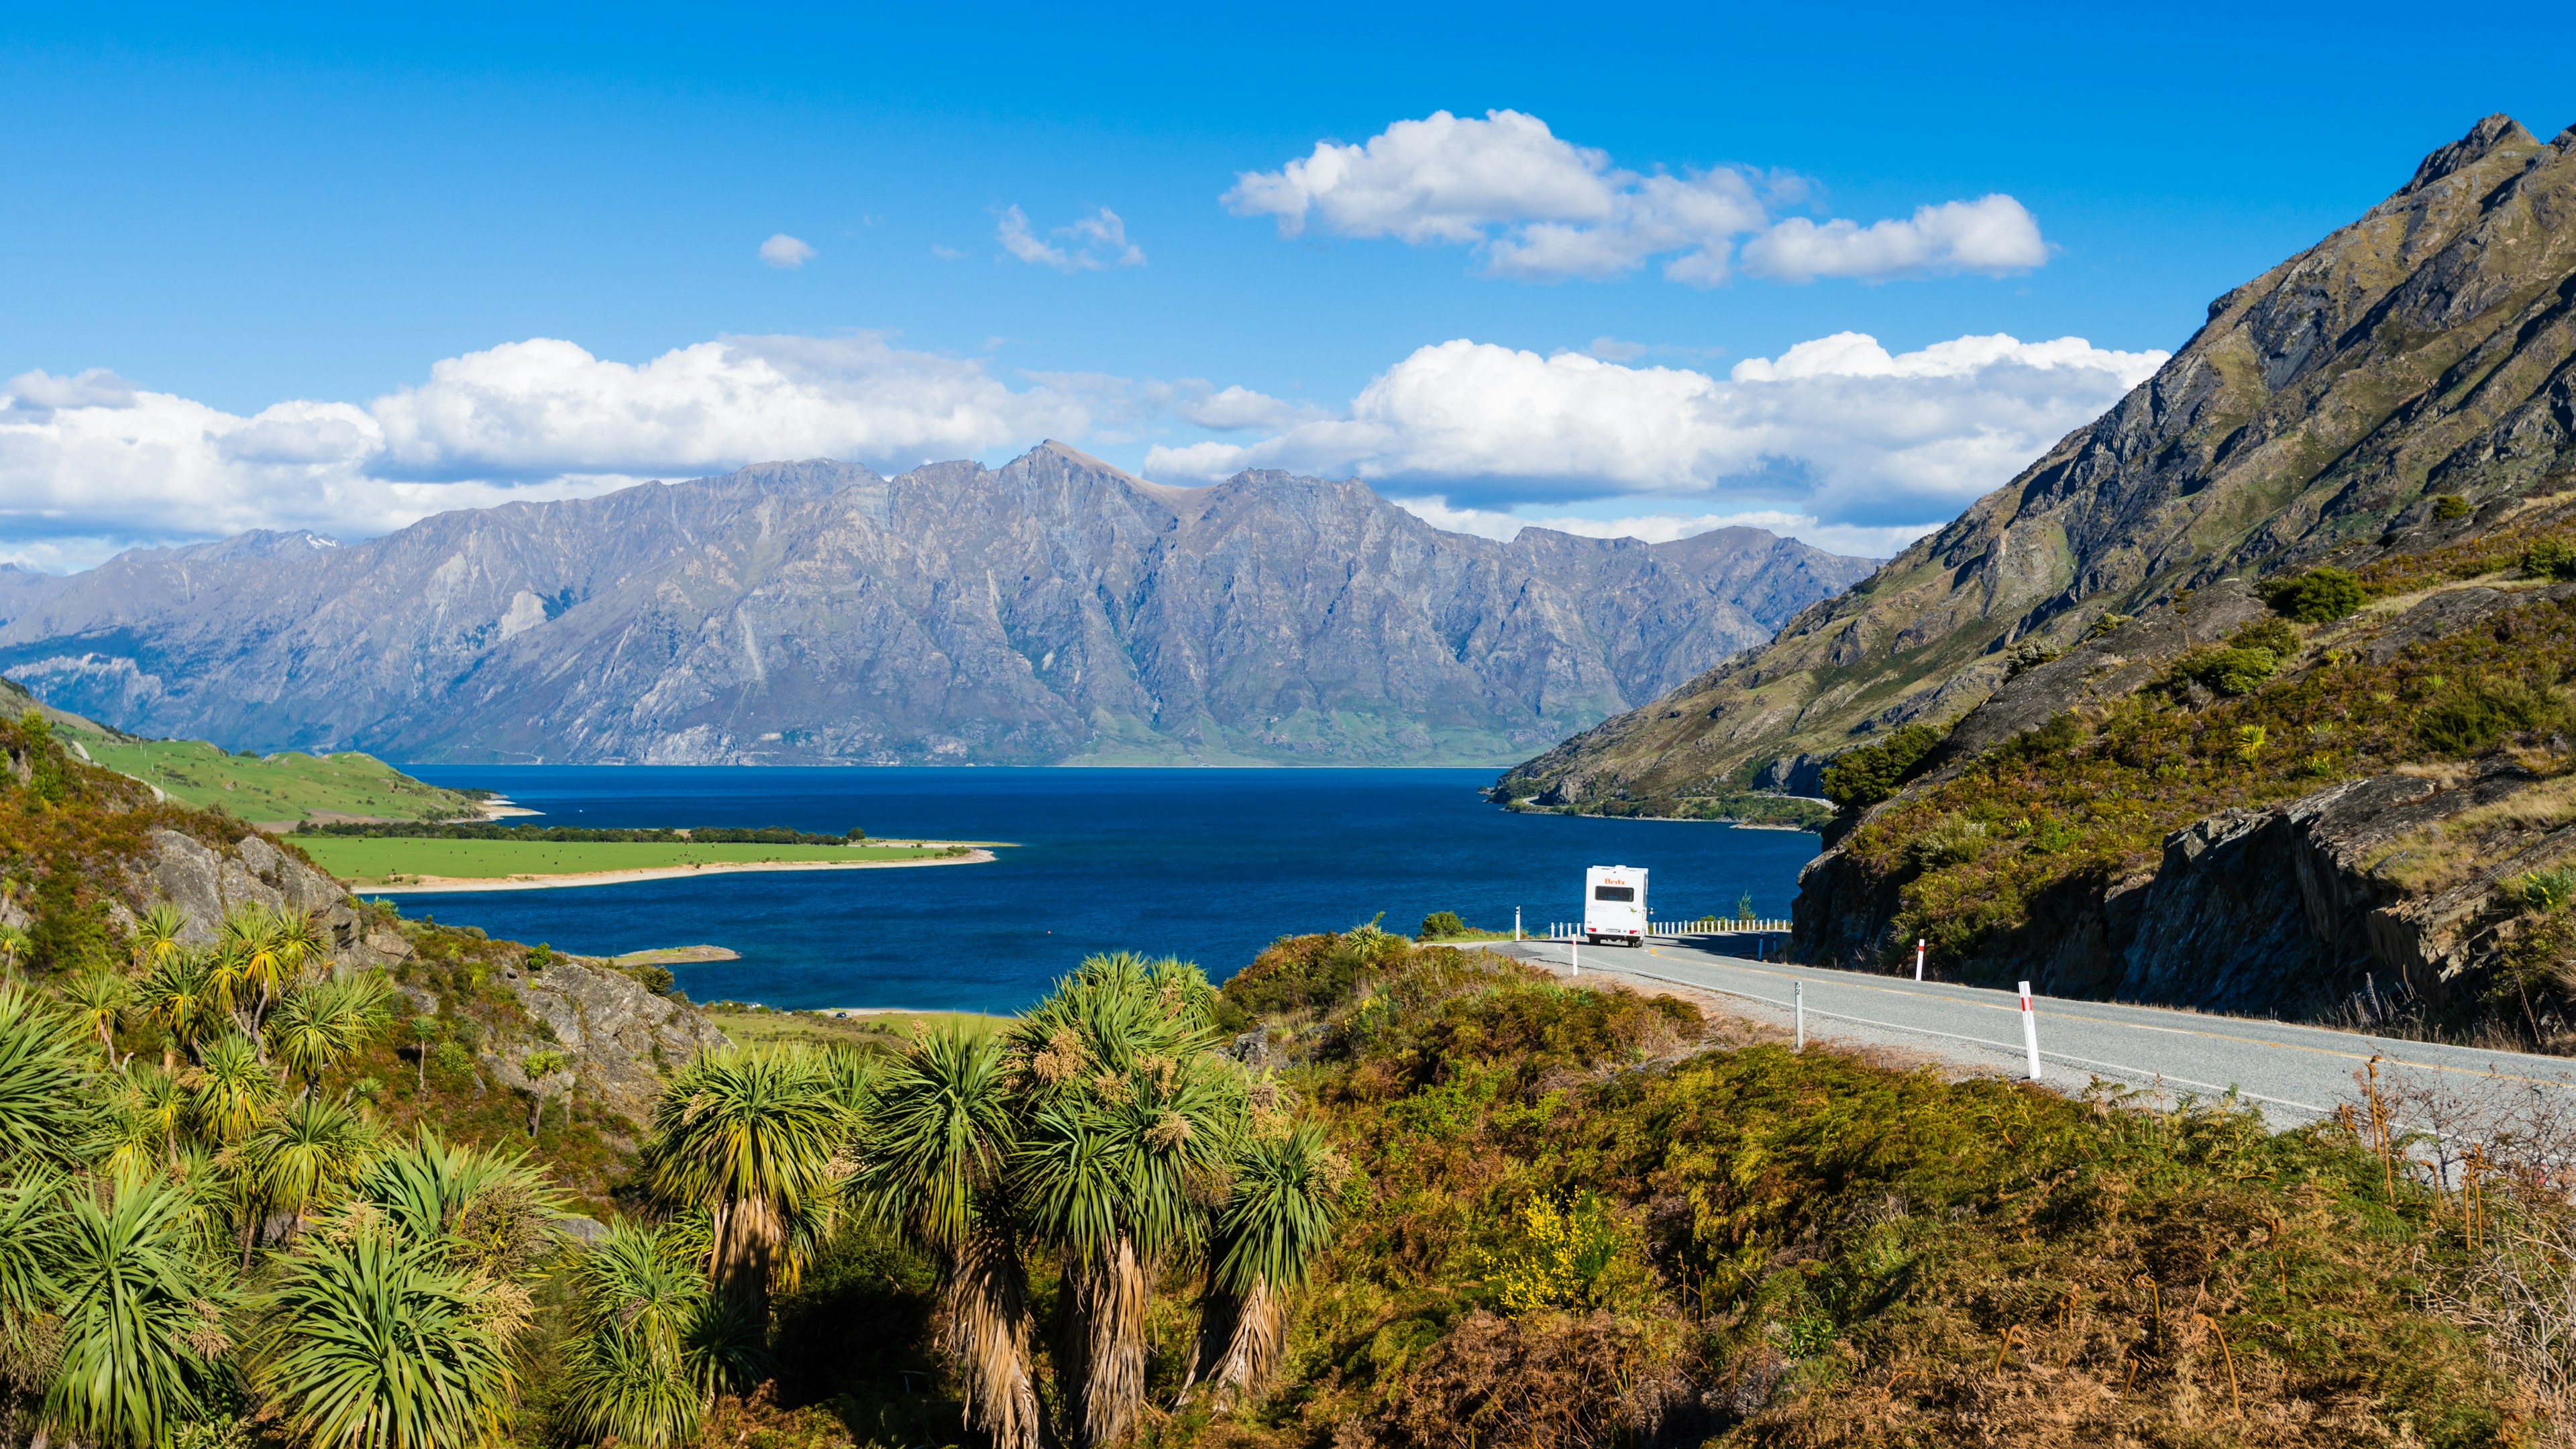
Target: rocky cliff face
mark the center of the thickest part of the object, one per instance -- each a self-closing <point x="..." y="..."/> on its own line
<point x="207" y="881"/>
<point x="2424" y="349"/>
<point x="620" y="1038"/>
<point x="813" y="612"/>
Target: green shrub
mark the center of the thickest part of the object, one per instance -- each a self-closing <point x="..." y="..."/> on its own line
<point x="2549" y="890"/>
<point x="2466" y="722"/>
<point x="1442" y="923"/>
<point x="2060" y="734"/>
<point x="1952" y="840"/>
<point x="2272" y="634"/>
<point x="2107" y="623"/>
<point x="1861" y="778"/>
<point x="2319" y="596"/>
<point x="2550" y="558"/>
<point x="2029" y="655"/>
<point x="2225" y="671"/>
<point x="2447" y="506"/>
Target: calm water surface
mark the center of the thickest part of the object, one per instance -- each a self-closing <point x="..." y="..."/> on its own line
<point x="1206" y="864"/>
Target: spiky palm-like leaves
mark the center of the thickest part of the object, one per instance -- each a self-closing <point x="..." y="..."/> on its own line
<point x="139" y="1124"/>
<point x="1129" y="1124"/>
<point x="325" y="1023"/>
<point x="179" y="993"/>
<point x="752" y="1138"/>
<point x="140" y="1302"/>
<point x="933" y="1162"/>
<point x="155" y="939"/>
<point x="31" y="1249"/>
<point x="232" y="1090"/>
<point x="429" y="1188"/>
<point x="371" y="1339"/>
<point x="307" y="1154"/>
<point x="99" y="1000"/>
<point x="617" y="1389"/>
<point x="1286" y="1195"/>
<point x="655" y="1342"/>
<point x="44" y="1116"/>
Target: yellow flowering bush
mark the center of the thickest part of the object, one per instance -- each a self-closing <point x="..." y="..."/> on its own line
<point x="1564" y="1259"/>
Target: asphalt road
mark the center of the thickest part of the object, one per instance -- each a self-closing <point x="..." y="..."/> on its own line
<point x="2293" y="1073"/>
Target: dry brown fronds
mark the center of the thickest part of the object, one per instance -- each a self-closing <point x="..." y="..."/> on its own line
<point x="985" y="1331"/>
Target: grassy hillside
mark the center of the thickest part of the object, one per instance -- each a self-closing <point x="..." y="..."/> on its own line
<point x="282" y="787"/>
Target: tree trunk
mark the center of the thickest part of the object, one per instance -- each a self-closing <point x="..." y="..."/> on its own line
<point x="1252" y="1350"/>
<point x="1110" y="1298"/>
<point x="747" y="1236"/>
<point x="987" y="1337"/>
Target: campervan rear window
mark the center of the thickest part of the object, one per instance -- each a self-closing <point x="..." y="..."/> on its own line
<point x="1614" y="893"/>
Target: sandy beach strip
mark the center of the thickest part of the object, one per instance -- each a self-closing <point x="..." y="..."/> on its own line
<point x="436" y="884"/>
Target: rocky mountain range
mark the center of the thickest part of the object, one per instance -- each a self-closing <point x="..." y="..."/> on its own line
<point x="2423" y="349"/>
<point x="1053" y="609"/>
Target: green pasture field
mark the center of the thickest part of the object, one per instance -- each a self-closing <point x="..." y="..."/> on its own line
<point x="377" y="860"/>
<point x="281" y="787"/>
<point x="878" y="1032"/>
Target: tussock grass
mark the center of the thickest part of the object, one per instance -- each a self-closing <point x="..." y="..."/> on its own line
<point x="1815" y="1249"/>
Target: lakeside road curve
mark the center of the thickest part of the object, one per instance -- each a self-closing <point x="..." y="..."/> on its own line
<point x="2294" y="1073"/>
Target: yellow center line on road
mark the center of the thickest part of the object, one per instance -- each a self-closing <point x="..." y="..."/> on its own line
<point x="2490" y="1074"/>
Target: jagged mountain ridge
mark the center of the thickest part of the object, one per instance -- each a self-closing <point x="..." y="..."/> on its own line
<point x="1054" y="608"/>
<point x="2424" y="348"/>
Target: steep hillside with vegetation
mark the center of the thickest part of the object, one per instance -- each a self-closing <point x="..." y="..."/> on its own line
<point x="2418" y="354"/>
<point x="274" y="789"/>
<point x="2355" y="798"/>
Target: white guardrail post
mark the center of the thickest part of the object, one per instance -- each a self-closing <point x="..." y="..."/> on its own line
<point x="2029" y="1031"/>
<point x="1798" y="994"/>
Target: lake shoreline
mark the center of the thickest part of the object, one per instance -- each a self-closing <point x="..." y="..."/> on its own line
<point x="454" y="885"/>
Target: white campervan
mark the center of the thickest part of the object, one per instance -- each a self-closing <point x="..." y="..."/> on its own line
<point x="1614" y="904"/>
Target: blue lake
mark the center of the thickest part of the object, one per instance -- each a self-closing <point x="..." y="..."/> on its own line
<point x="1210" y="865"/>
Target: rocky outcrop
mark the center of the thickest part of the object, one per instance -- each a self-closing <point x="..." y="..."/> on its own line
<point x="816" y="613"/>
<point x="205" y="882"/>
<point x="620" y="1038"/>
<point x="2282" y="911"/>
<point x="2429" y="348"/>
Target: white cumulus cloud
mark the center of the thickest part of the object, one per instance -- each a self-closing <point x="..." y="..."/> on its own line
<point x="785" y="252"/>
<point x="89" y="463"/>
<point x="1837" y="430"/>
<point x="1091" y="244"/>
<point x="1992" y="234"/>
<point x="1540" y="208"/>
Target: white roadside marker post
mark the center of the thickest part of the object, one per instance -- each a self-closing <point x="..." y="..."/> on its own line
<point x="1516" y="925"/>
<point x="1798" y="994"/>
<point x="1574" y="954"/>
<point x="2029" y="1031"/>
<point x="1918" y="958"/>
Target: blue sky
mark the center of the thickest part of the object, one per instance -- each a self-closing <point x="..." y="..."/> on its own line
<point x="317" y="207"/>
